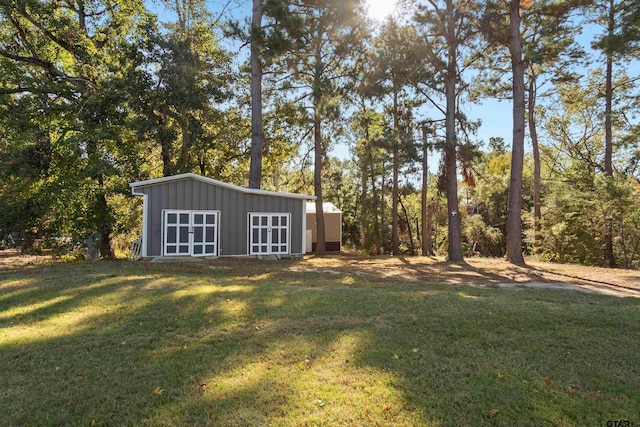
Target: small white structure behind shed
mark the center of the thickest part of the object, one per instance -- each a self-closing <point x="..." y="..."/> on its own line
<point x="332" y="227"/>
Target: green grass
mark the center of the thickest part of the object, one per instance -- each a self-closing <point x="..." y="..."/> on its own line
<point x="119" y="343"/>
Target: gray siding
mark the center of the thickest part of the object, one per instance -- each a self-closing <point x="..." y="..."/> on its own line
<point x="234" y="207"/>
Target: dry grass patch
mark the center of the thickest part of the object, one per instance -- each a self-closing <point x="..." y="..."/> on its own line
<point x="477" y="272"/>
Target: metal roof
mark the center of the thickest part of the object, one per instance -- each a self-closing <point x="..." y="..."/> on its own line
<point x="212" y="181"/>
<point x="327" y="207"/>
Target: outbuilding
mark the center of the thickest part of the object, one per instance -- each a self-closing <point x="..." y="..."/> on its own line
<point x="192" y="215"/>
<point x="332" y="227"/>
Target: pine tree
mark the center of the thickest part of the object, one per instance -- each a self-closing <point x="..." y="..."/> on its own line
<point x="317" y="69"/>
<point x="449" y="30"/>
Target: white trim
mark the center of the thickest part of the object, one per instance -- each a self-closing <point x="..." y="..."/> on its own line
<point x="304" y="227"/>
<point x="248" y="233"/>
<point x="145" y="214"/>
<point x="269" y="242"/>
<point x="135" y="185"/>
<point x="165" y="215"/>
<point x="284" y="256"/>
<point x="340" y="232"/>
<point x="190" y="243"/>
<point x="217" y="232"/>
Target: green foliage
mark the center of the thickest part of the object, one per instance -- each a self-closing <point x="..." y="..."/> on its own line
<point x="179" y="78"/>
<point x="481" y="238"/>
<point x="65" y="131"/>
<point x="581" y="200"/>
<point x="575" y="215"/>
<point x="630" y="27"/>
<point x="83" y="89"/>
<point x="368" y="127"/>
<point x="620" y="21"/>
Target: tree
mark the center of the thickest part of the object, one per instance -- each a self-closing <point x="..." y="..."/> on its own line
<point x="548" y="39"/>
<point x="514" y="218"/>
<point x="485" y="227"/>
<point x="268" y="43"/>
<point x="449" y="29"/>
<point x="629" y="35"/>
<point x="315" y="72"/>
<point x="427" y="247"/>
<point x="577" y="220"/>
<point x="257" y="132"/>
<point x="341" y="187"/>
<point x="511" y="37"/>
<point x="369" y="154"/>
<point x="612" y="44"/>
<point x="548" y="52"/>
<point x="65" y="60"/>
<point x="397" y="62"/>
<point x="182" y="75"/>
<point x="450" y="77"/>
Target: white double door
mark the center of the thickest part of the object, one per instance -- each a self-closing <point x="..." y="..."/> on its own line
<point x="269" y="233"/>
<point x="191" y="233"/>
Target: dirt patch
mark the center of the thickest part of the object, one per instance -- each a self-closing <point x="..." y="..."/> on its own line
<point x="12" y="258"/>
<point x="483" y="272"/>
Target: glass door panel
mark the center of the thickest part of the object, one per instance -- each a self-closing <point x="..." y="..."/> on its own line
<point x="176" y="233"/>
<point x="191" y="233"/>
<point x="269" y="234"/>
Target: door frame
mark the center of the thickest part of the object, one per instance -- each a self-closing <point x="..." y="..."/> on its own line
<point x="269" y="242"/>
<point x="190" y="243"/>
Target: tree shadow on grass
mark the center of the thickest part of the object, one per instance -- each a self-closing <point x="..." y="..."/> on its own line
<point x="191" y="345"/>
<point x="462" y="272"/>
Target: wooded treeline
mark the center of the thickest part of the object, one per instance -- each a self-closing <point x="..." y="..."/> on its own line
<point x="95" y="94"/>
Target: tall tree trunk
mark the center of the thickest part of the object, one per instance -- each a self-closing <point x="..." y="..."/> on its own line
<point x="426" y="233"/>
<point x="395" y="240"/>
<point x="376" y="208"/>
<point x="82" y="17"/>
<point x="317" y="185"/>
<point x="455" y="240"/>
<point x="104" y="225"/>
<point x="533" y="132"/>
<point x="361" y="209"/>
<point x="412" y="249"/>
<point x="105" y="230"/>
<point x="165" y="143"/>
<point x="381" y="206"/>
<point x="363" y="195"/>
<point x="608" y="137"/>
<point x="514" y="215"/>
<point x="321" y="246"/>
<point x="430" y="232"/>
<point x="182" y="164"/>
<point x="257" y="132"/>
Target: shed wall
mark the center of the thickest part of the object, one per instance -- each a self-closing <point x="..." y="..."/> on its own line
<point x="190" y="194"/>
<point x="332" y="226"/>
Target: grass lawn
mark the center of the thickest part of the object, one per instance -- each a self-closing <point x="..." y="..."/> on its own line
<point x="239" y="342"/>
